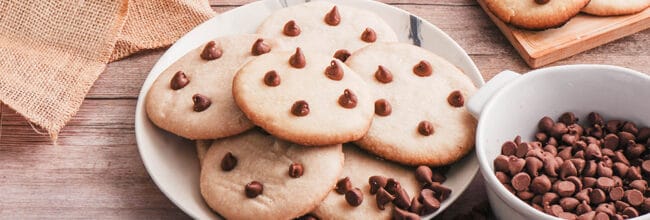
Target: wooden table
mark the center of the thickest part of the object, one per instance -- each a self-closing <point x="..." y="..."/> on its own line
<point x="95" y="171"/>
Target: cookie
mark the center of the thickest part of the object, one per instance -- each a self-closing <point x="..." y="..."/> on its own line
<point x="359" y="166"/>
<point x="615" y="7"/>
<point x="536" y="14"/>
<point x="327" y="27"/>
<point x="256" y="176"/>
<point x="307" y="98"/>
<point x="192" y="98"/>
<point x="420" y="117"/>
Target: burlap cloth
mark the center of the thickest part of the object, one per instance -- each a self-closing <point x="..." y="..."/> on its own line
<point x="51" y="52"/>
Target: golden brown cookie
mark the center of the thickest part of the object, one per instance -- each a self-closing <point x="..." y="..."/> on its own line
<point x="192" y="98"/>
<point x="615" y="7"/>
<point x="257" y="176"/>
<point x="536" y="14"/>
<point x="420" y="117"/>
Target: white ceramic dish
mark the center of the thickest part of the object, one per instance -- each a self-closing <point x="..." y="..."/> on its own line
<point x="171" y="161"/>
<point x="511" y="104"/>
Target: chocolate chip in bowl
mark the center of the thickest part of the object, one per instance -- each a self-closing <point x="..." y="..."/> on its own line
<point x="565" y="161"/>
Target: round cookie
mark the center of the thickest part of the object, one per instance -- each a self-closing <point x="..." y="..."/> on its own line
<point x="359" y="166"/>
<point x="307" y="98"/>
<point x="420" y="118"/>
<point x="326" y="27"/>
<point x="615" y="7"/>
<point x="192" y="98"/>
<point x="536" y="14"/>
<point x="256" y="176"/>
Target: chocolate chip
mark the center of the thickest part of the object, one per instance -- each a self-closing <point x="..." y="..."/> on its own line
<point x="605" y="183"/>
<point x="382" y="107"/>
<point x="583" y="208"/>
<point x="584" y="195"/>
<point x="429" y="202"/>
<point x="525" y="195"/>
<point x="376" y="182"/>
<point x="254" y="189"/>
<point x="616" y="193"/>
<point x="456" y="99"/>
<point x="521" y="181"/>
<point x="569" y="203"/>
<point x="297" y="60"/>
<point x="509" y="148"/>
<point x="550" y="166"/>
<point x="597" y="196"/>
<point x="333" y="17"/>
<point x="260" y="47"/>
<point x="348" y="99"/>
<point x="554" y="210"/>
<point x="502" y="177"/>
<point x="383" y="198"/>
<point x="604" y="170"/>
<point x="392" y="186"/>
<point x="271" y="78"/>
<point x="423" y="68"/>
<point x="644" y="134"/>
<point x="558" y="130"/>
<point x="541" y="2"/>
<point x="593" y="152"/>
<point x="402" y="199"/>
<point x="565" y="188"/>
<point x="533" y="165"/>
<point x="400" y="214"/>
<point x="595" y="118"/>
<point x="228" y="162"/>
<point x="300" y="108"/>
<point x="291" y="29"/>
<point x="620" y="205"/>
<point x="624" y="138"/>
<point x="423" y="174"/>
<point x="343" y="185"/>
<point x="201" y="102"/>
<point x="630" y="127"/>
<point x="342" y="55"/>
<point x="501" y="163"/>
<point x="179" y="81"/>
<point x="606" y="208"/>
<point x="620" y="158"/>
<point x="369" y="35"/>
<point x="634" y="197"/>
<point x="354" y="197"/>
<point x="591" y="168"/>
<point x="334" y="71"/>
<point x="568" y="169"/>
<point x="541" y="184"/>
<point x="425" y="128"/>
<point x="211" y="51"/>
<point x="416" y="206"/>
<point x="630" y="212"/>
<point x="296" y="170"/>
<point x="576" y="181"/>
<point x="541" y="136"/>
<point x="634" y="173"/>
<point x="640" y="185"/>
<point x="442" y="192"/>
<point x="545" y="124"/>
<point x="383" y="75"/>
<point x="589" y="182"/>
<point x="568" y="118"/>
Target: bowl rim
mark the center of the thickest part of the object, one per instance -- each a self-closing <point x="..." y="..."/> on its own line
<point x="165" y="60"/>
<point x="491" y="182"/>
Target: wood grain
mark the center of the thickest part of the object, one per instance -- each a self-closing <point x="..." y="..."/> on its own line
<point x="95" y="170"/>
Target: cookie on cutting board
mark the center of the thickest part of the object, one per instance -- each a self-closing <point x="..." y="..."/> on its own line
<point x="330" y="28"/>
<point x="192" y="98"/>
<point x="307" y="98"/>
<point x="615" y="7"/>
<point x="536" y="14"/>
<point x="420" y="117"/>
<point x="257" y="176"/>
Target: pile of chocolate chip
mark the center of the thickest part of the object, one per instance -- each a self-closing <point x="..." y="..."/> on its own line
<point x="389" y="190"/>
<point x="596" y="171"/>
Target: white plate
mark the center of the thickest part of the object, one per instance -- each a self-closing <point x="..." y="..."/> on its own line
<point x="171" y="161"/>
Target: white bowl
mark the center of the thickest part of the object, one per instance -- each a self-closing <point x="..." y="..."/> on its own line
<point x="511" y="104"/>
<point x="171" y="161"/>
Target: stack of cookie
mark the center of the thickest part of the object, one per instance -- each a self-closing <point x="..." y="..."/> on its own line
<point x="320" y="114"/>
<point x="544" y="14"/>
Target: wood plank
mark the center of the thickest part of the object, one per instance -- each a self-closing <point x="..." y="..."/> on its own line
<point x="95" y="170"/>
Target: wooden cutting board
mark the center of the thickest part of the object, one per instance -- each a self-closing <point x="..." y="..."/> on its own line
<point x="581" y="33"/>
